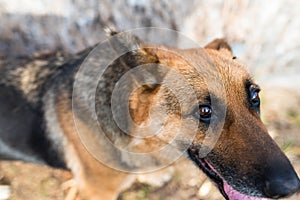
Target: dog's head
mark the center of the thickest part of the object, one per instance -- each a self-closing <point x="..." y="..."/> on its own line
<point x="244" y="162"/>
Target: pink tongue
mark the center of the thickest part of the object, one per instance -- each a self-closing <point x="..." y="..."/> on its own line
<point x="235" y="195"/>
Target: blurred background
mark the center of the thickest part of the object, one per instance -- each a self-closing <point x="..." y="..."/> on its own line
<point x="264" y="34"/>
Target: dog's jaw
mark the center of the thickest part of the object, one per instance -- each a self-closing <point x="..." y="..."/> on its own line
<point x="233" y="194"/>
<point x="226" y="190"/>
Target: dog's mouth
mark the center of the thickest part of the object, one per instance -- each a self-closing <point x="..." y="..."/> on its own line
<point x="226" y="190"/>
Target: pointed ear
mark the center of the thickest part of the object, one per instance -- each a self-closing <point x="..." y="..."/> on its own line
<point x="144" y="74"/>
<point x="220" y="45"/>
<point x="130" y="50"/>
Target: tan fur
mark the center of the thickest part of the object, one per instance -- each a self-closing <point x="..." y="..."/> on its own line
<point x="95" y="180"/>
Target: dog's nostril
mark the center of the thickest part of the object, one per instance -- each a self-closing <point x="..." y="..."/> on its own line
<point x="284" y="187"/>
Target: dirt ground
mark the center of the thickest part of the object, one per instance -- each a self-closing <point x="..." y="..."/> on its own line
<point x="280" y="112"/>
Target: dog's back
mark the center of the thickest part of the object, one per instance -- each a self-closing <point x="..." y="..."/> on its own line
<point x="23" y="83"/>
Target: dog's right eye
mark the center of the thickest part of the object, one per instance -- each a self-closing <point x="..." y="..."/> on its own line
<point x="203" y="113"/>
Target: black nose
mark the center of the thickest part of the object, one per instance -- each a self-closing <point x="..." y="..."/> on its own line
<point x="281" y="182"/>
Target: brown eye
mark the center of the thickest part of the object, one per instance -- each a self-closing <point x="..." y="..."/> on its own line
<point x="203" y="113"/>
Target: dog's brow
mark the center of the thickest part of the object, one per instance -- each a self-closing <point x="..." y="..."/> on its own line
<point x="208" y="98"/>
<point x="211" y="98"/>
<point x="249" y="82"/>
<point x="204" y="98"/>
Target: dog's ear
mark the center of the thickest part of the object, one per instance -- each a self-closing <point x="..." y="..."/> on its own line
<point x="220" y="45"/>
<point x="141" y="101"/>
<point x="129" y="50"/>
<point x="144" y="77"/>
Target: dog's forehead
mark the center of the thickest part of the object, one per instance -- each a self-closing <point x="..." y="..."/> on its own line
<point x="233" y="72"/>
<point x="210" y="71"/>
<point x="207" y="71"/>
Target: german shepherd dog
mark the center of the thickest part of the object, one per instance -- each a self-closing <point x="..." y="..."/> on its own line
<point x="47" y="117"/>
